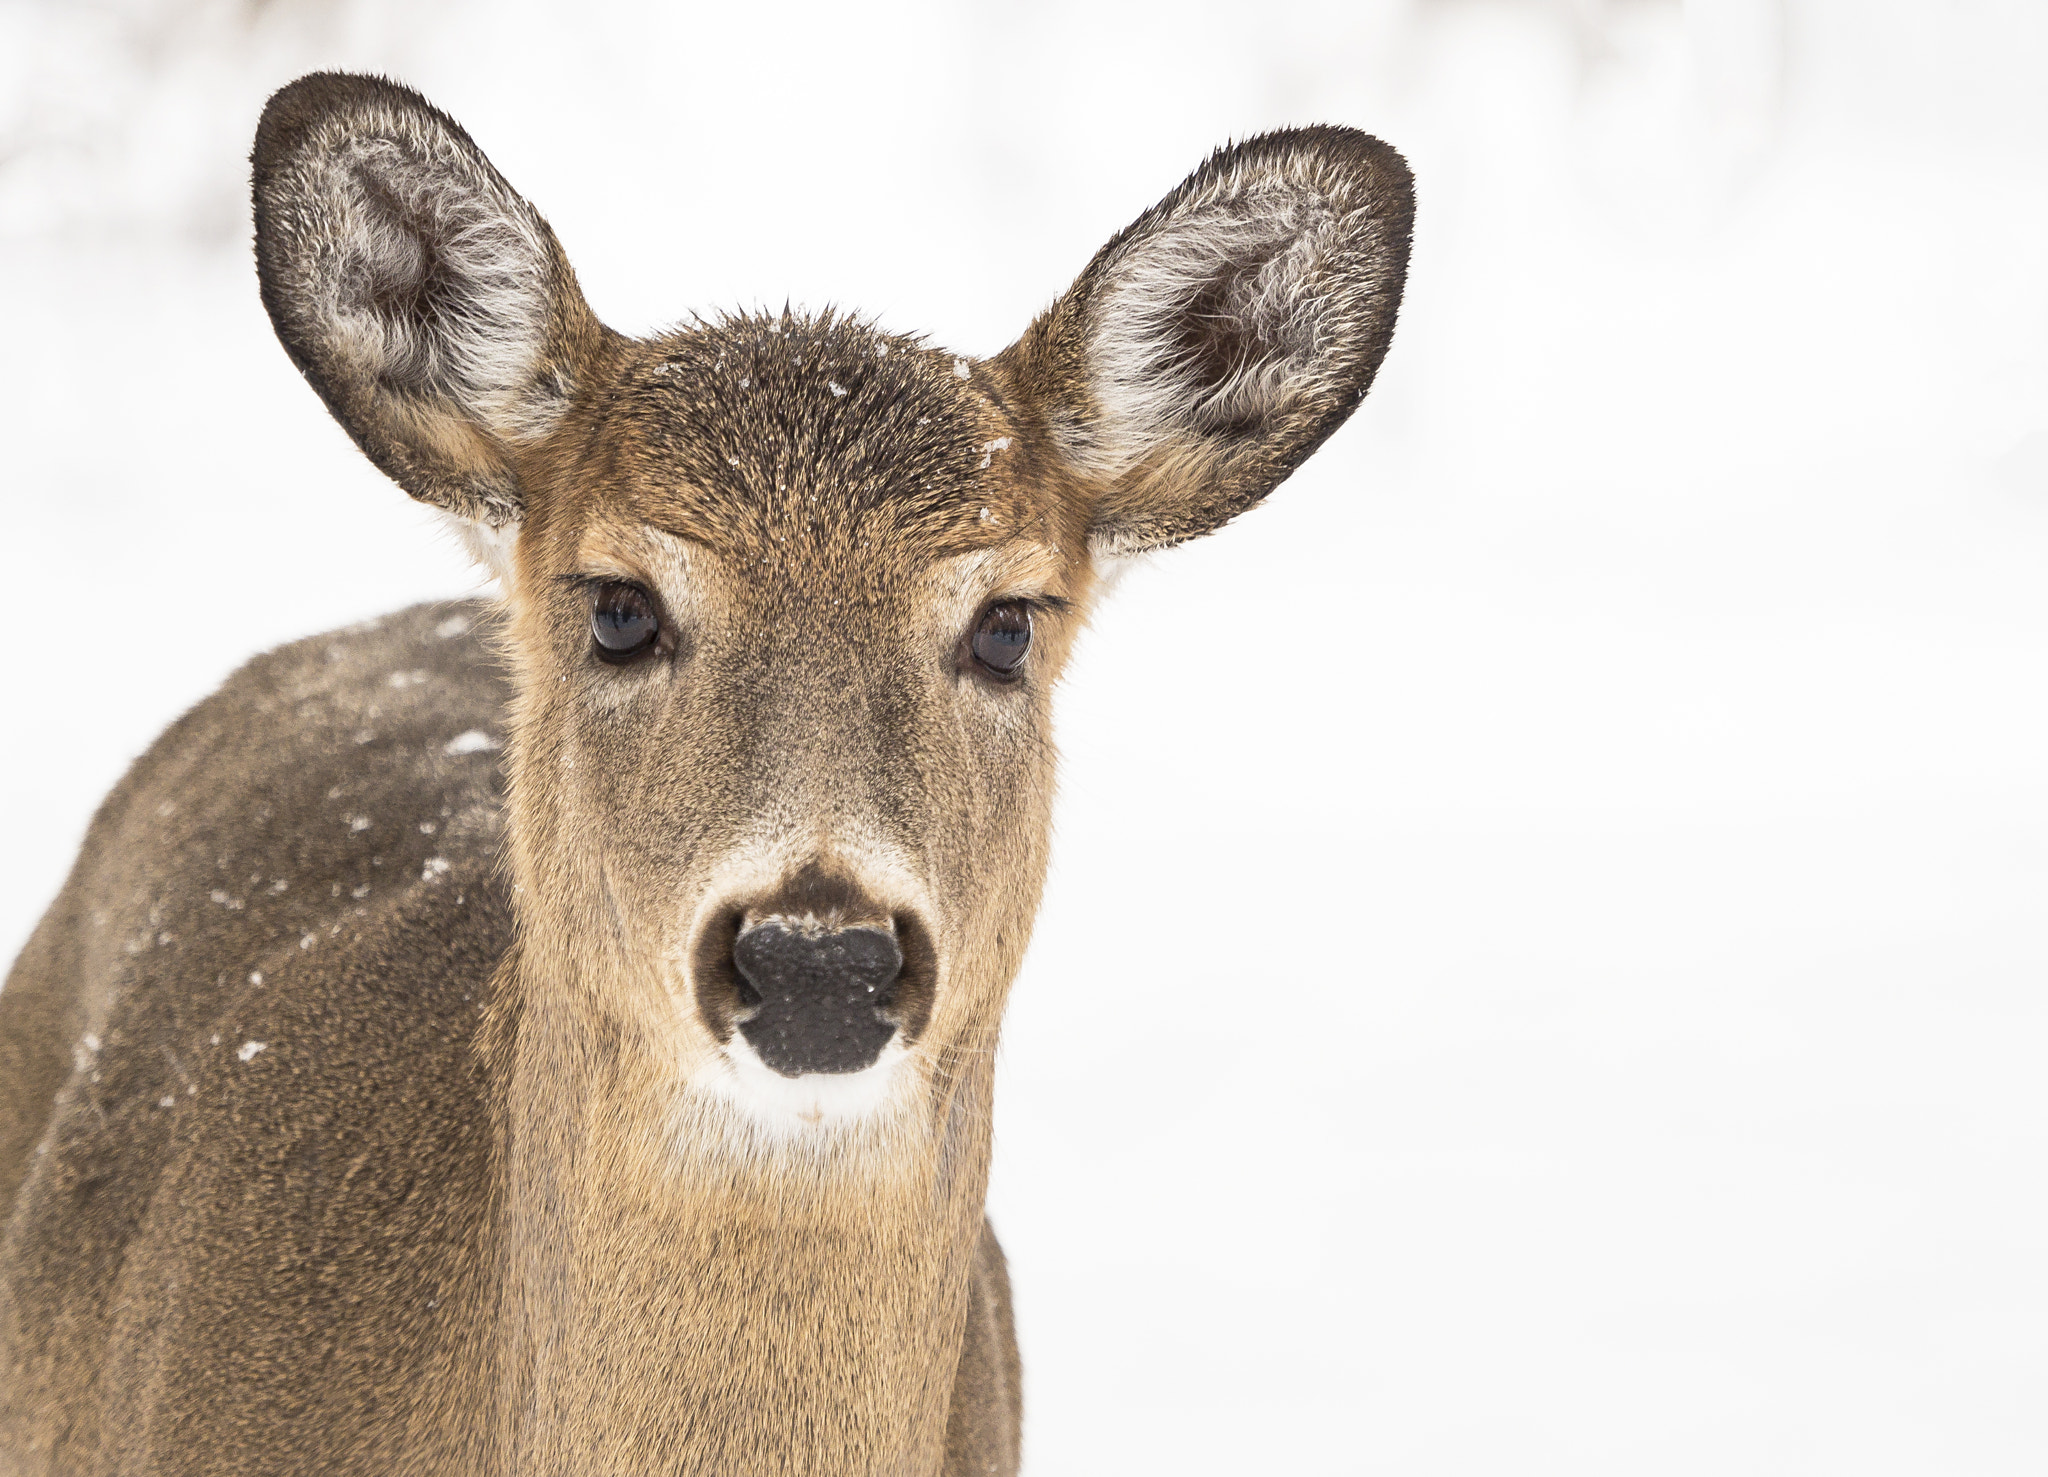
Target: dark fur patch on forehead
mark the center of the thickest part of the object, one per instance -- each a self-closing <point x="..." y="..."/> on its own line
<point x="807" y="431"/>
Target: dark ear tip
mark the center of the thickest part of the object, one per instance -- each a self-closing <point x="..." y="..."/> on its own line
<point x="1392" y="180"/>
<point x="297" y="107"/>
<point x="1376" y="164"/>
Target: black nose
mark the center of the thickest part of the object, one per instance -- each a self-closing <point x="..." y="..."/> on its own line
<point x="820" y="995"/>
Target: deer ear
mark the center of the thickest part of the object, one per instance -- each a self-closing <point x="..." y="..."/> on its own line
<point x="429" y="305"/>
<point x="1215" y="343"/>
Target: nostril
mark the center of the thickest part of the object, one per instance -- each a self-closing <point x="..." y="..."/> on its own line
<point x="722" y="994"/>
<point x="743" y="987"/>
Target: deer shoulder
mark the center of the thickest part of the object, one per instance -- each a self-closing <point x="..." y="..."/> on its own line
<point x="259" y="994"/>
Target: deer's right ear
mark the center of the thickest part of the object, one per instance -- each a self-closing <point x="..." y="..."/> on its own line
<point x="1216" y="341"/>
<point x="429" y="305"/>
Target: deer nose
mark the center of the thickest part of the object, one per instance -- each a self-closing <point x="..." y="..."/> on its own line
<point x="819" y="995"/>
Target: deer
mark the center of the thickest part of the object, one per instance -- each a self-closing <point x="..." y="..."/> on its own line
<point x="554" y="1033"/>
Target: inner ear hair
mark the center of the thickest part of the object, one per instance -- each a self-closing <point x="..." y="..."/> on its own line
<point x="428" y="304"/>
<point x="1216" y="342"/>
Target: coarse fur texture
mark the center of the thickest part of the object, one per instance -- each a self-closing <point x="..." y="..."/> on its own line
<point x="377" y="1096"/>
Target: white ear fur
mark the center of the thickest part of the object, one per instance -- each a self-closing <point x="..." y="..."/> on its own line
<point x="1111" y="568"/>
<point x="1217" y="341"/>
<point x="426" y="301"/>
<point x="1245" y="261"/>
<point x="436" y="275"/>
<point x="494" y="548"/>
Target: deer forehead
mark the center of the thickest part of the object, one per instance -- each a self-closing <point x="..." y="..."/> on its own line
<point x="821" y="453"/>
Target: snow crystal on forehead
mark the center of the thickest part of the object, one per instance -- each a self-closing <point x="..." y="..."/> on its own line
<point x="455" y="625"/>
<point x="471" y="741"/>
<point x="248" y="1049"/>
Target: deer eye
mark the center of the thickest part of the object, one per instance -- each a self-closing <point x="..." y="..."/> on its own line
<point x="1001" y="638"/>
<point x="623" y="625"/>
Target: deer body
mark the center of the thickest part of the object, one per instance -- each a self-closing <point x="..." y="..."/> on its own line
<point x="557" y="1037"/>
<point x="332" y="1195"/>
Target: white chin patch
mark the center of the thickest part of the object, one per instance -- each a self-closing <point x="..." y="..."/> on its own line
<point x="740" y="1077"/>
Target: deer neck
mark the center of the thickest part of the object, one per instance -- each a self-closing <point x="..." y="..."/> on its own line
<point x="685" y="1293"/>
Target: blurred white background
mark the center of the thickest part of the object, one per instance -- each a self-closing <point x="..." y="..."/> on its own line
<point x="1545" y="966"/>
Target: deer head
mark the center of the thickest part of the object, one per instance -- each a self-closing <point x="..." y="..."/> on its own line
<point x="787" y="596"/>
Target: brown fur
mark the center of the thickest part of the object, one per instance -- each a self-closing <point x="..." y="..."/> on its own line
<point x="479" y="1203"/>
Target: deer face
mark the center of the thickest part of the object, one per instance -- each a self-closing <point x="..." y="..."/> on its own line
<point x="788" y="596"/>
<point x="789" y="607"/>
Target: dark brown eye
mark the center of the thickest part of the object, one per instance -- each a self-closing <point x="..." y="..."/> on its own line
<point x="1001" y="639"/>
<point x="623" y="626"/>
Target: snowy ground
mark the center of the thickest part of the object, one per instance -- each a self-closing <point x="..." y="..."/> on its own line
<point x="1560" y="984"/>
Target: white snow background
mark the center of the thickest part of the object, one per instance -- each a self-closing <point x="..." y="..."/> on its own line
<point x="1544" y="969"/>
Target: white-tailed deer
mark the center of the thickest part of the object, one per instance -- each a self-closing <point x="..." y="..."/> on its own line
<point x="557" y="1037"/>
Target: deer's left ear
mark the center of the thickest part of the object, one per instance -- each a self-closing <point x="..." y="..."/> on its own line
<point x="1216" y="342"/>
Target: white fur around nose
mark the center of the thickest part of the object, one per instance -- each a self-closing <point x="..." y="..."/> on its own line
<point x="739" y="1077"/>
